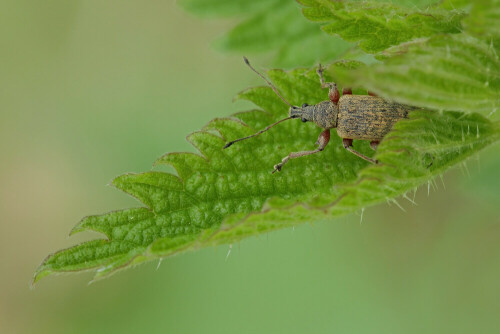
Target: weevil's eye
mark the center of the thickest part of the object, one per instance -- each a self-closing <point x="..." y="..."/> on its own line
<point x="304" y="105"/>
<point x="303" y="120"/>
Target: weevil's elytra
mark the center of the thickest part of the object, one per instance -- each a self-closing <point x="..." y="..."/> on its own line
<point x="360" y="117"/>
<point x="367" y="117"/>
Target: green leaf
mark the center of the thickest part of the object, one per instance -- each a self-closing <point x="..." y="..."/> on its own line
<point x="275" y="26"/>
<point x="222" y="196"/>
<point x="379" y="25"/>
<point x="455" y="4"/>
<point x="455" y="72"/>
<point x="484" y="21"/>
<point x="407" y="3"/>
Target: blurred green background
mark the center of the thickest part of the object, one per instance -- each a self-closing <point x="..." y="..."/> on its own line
<point x="92" y="89"/>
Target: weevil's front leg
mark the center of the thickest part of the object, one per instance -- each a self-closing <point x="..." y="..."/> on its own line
<point x="322" y="141"/>
<point x="348" y="146"/>
<point x="333" y="92"/>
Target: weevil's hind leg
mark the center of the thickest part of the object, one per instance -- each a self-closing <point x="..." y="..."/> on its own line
<point x="322" y="141"/>
<point x="372" y="94"/>
<point x="348" y="146"/>
<point x="346" y="91"/>
<point x="333" y="92"/>
<point x="374" y="144"/>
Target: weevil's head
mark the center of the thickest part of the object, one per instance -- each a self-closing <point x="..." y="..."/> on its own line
<point x="305" y="113"/>
<point x="324" y="114"/>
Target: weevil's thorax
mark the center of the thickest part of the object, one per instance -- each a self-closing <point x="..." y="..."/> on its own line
<point x="324" y="114"/>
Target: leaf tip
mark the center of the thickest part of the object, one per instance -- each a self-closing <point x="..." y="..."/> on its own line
<point x="37" y="277"/>
<point x="79" y="227"/>
<point x="41" y="272"/>
<point x="119" y="181"/>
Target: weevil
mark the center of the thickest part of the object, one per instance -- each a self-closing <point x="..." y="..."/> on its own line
<point x="360" y="117"/>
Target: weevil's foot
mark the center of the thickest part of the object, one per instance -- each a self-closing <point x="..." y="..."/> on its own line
<point x="277" y="168"/>
<point x="320" y="70"/>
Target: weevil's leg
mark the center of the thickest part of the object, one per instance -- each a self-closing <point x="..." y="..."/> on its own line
<point x="322" y="141"/>
<point x="374" y="144"/>
<point x="346" y="91"/>
<point x="321" y="78"/>
<point x="372" y="94"/>
<point x="348" y="146"/>
<point x="333" y="92"/>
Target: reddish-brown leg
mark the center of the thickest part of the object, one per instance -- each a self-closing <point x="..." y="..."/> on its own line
<point x="372" y="94"/>
<point x="333" y="92"/>
<point x="348" y="146"/>
<point x="374" y="144"/>
<point x="346" y="91"/>
<point x="322" y="141"/>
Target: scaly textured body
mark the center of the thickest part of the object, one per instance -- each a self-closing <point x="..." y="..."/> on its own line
<point x="367" y="117"/>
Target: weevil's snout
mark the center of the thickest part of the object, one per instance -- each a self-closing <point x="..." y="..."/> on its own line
<point x="305" y="113"/>
<point x="293" y="112"/>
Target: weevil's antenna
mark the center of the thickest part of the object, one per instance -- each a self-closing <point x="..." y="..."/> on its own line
<point x="258" y="133"/>
<point x="268" y="82"/>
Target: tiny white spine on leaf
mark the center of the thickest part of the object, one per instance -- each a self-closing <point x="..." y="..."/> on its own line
<point x="434" y="184"/>
<point x="393" y="200"/>
<point x="159" y="263"/>
<point x="229" y="251"/>
<point x="466" y="168"/>
<point x="442" y="181"/>
<point x="405" y="196"/>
